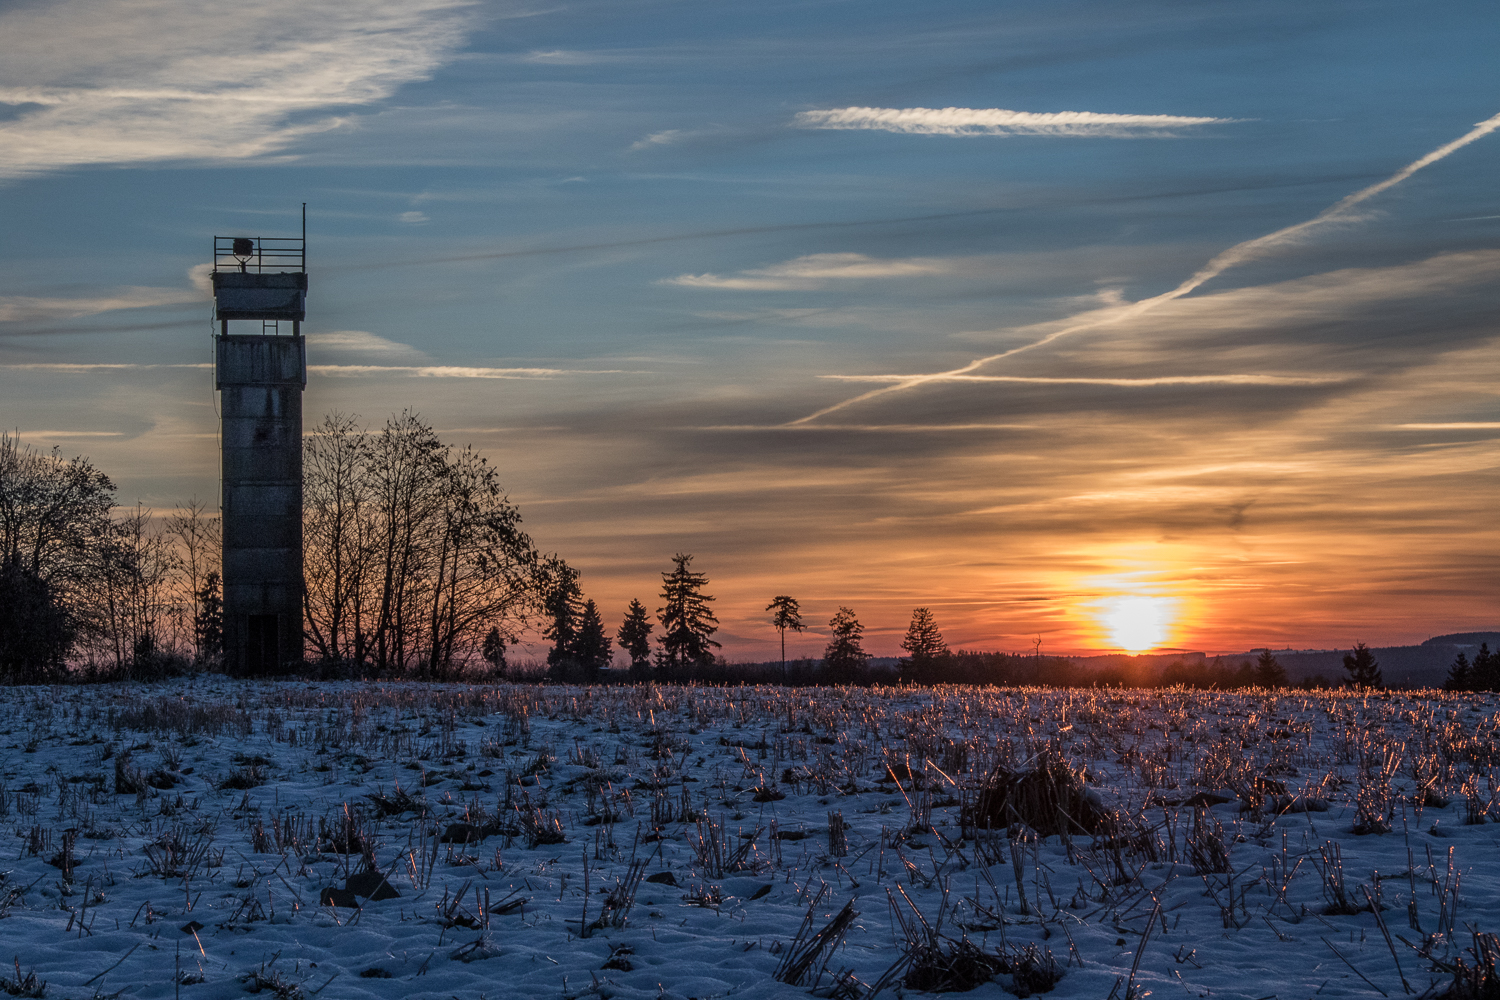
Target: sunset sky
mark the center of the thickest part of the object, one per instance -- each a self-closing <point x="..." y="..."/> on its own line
<point x="887" y="305"/>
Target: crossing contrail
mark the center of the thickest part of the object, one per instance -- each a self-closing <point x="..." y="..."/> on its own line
<point x="1237" y="254"/>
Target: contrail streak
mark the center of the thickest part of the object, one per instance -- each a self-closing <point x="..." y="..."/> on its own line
<point x="1237" y="254"/>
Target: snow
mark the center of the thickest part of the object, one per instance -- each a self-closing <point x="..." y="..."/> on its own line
<point x="148" y="863"/>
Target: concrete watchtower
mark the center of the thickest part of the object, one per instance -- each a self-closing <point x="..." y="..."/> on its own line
<point x="260" y="376"/>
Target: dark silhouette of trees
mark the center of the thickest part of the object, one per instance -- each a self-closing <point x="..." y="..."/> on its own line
<point x="925" y="646"/>
<point x="1482" y="674"/>
<point x="493" y="651"/>
<point x="1486" y="671"/>
<point x="591" y="650"/>
<point x="562" y="602"/>
<point x="1460" y="674"/>
<point x="413" y="552"/>
<point x="786" y="613"/>
<point x="36" y="630"/>
<point x="1269" y="673"/>
<point x="687" y="622"/>
<point x="54" y="527"/>
<point x="1361" y="668"/>
<point x="634" y="638"/>
<point x="844" y="658"/>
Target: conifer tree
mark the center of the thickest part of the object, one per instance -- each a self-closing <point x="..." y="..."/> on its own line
<point x="561" y="604"/>
<point x="1460" y="675"/>
<point x="493" y="650"/>
<point x="590" y="645"/>
<point x="634" y="638"/>
<point x="925" y="644"/>
<point x="1269" y="673"/>
<point x="1485" y="673"/>
<point x="687" y="623"/>
<point x="208" y="624"/>
<point x="1362" y="668"/>
<point x="844" y="659"/>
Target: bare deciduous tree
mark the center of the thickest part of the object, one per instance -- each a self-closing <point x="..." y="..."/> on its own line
<point x="195" y="534"/>
<point x="54" y="522"/>
<point x="413" y="554"/>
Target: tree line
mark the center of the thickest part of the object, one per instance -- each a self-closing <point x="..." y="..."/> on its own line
<point x="116" y="592"/>
<point x="1482" y="674"/>
<point x="415" y="564"/>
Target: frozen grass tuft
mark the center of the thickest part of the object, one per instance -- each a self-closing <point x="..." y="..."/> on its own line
<point x="1048" y="797"/>
<point x="1479" y="980"/>
<point x="27" y="986"/>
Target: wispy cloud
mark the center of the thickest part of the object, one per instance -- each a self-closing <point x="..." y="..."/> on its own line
<point x="124" y="82"/>
<point x="815" y="271"/>
<point x="361" y="342"/>
<point x="663" y="138"/>
<point x="562" y="57"/>
<point x="344" y="371"/>
<point x="1272" y="380"/>
<point x="458" y="371"/>
<point x="27" y="309"/>
<point x="999" y="121"/>
<point x="1460" y="425"/>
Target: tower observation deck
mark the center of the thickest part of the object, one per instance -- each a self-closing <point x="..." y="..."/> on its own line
<point x="260" y="374"/>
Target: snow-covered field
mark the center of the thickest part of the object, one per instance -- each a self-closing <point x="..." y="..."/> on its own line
<point x="183" y="839"/>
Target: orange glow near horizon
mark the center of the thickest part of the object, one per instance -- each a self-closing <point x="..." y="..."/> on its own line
<point x="1137" y="623"/>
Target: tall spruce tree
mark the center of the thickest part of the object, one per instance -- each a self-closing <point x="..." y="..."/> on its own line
<point x="493" y="650"/>
<point x="1269" y="673"/>
<point x="208" y="624"/>
<point x="844" y="658"/>
<point x="591" y="646"/>
<point x="925" y="646"/>
<point x="1361" y="668"/>
<point x="634" y="638"/>
<point x="1485" y="674"/>
<point x="1460" y="674"/>
<point x="687" y="623"/>
<point x="562" y="604"/>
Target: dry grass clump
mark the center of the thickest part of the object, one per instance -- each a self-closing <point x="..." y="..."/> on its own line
<point x="1206" y="849"/>
<point x="1049" y="797"/>
<point x="948" y="966"/>
<point x="541" y="826"/>
<point x="938" y="963"/>
<point x="715" y="855"/>
<point x="29" y="986"/>
<point x="1477" y="981"/>
<point x="1032" y="970"/>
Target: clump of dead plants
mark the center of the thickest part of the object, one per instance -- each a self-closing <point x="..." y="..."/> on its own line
<point x="1479" y="980"/>
<point x="1049" y="797"/>
<point x="27" y="986"/>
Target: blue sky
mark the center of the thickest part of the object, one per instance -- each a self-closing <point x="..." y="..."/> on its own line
<point x="629" y="249"/>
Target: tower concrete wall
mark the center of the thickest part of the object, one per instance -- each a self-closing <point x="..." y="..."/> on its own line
<point x="260" y="380"/>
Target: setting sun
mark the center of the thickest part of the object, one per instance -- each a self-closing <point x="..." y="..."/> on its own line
<point x="1136" y="623"/>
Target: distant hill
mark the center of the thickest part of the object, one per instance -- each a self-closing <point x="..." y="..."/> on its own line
<point x="1465" y="639"/>
<point x="1409" y="666"/>
<point x="1400" y="666"/>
